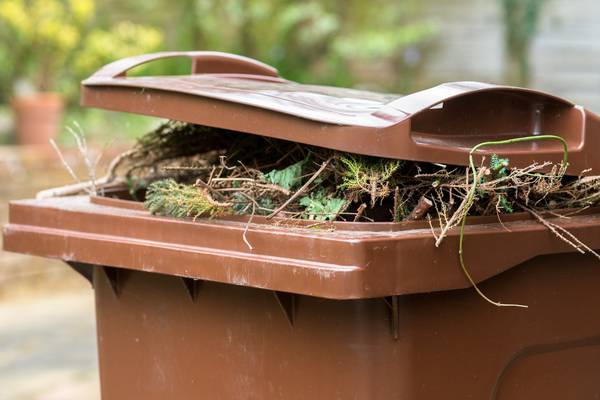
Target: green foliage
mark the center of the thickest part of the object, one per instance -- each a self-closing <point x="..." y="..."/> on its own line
<point x="505" y="204"/>
<point x="318" y="206"/>
<point x="47" y="37"/>
<point x="361" y="170"/>
<point x="288" y="178"/>
<point x="378" y="44"/>
<point x="167" y="197"/>
<point x="123" y="40"/>
<point x="104" y="126"/>
<point x="499" y="166"/>
<point x="53" y="44"/>
<point x="240" y="203"/>
<point x="308" y="41"/>
<point x="43" y="34"/>
<point x="368" y="175"/>
<point x="266" y="202"/>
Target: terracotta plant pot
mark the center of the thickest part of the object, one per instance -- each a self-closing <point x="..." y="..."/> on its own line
<point x="37" y="117"/>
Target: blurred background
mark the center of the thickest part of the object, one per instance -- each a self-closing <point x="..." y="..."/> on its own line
<point x="47" y="338"/>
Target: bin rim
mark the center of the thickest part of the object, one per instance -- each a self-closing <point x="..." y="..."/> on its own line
<point x="338" y="265"/>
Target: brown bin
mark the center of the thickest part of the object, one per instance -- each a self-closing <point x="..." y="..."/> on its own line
<point x="185" y="310"/>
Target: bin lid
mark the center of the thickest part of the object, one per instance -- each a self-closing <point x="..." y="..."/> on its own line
<point x="440" y="124"/>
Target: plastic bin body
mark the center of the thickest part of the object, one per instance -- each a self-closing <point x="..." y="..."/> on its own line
<point x="186" y="310"/>
<point x="236" y="342"/>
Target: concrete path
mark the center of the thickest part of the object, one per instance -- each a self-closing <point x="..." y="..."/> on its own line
<point x="48" y="347"/>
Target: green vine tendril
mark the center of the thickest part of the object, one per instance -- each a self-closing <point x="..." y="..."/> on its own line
<point x="471" y="195"/>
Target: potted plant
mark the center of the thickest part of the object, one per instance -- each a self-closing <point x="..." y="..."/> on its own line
<point x="53" y="44"/>
<point x="44" y="34"/>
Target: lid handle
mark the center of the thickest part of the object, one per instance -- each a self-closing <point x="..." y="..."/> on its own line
<point x="203" y="62"/>
<point x="452" y="118"/>
<point x="415" y="103"/>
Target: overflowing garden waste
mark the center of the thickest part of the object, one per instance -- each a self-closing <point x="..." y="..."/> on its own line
<point x="186" y="170"/>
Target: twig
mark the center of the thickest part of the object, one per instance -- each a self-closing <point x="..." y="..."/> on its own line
<point x="64" y="162"/>
<point x="501" y="222"/>
<point x="553" y="228"/>
<point x="186" y="168"/>
<point x="247" y="226"/>
<point x="272" y="187"/>
<point x="216" y="203"/>
<point x="431" y="227"/>
<point x="321" y="223"/>
<point x="301" y="190"/>
<point x="90" y="164"/>
<point x="115" y="163"/>
<point x="222" y="161"/>
<point x="342" y="209"/>
<point x="93" y="184"/>
<point x="396" y="204"/>
<point x="461" y="211"/>
<point x="267" y="186"/>
<point x="420" y="209"/>
<point x="359" y="212"/>
<point x="258" y="206"/>
<point x="569" y="214"/>
<point x="562" y="233"/>
<point x="72" y="189"/>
